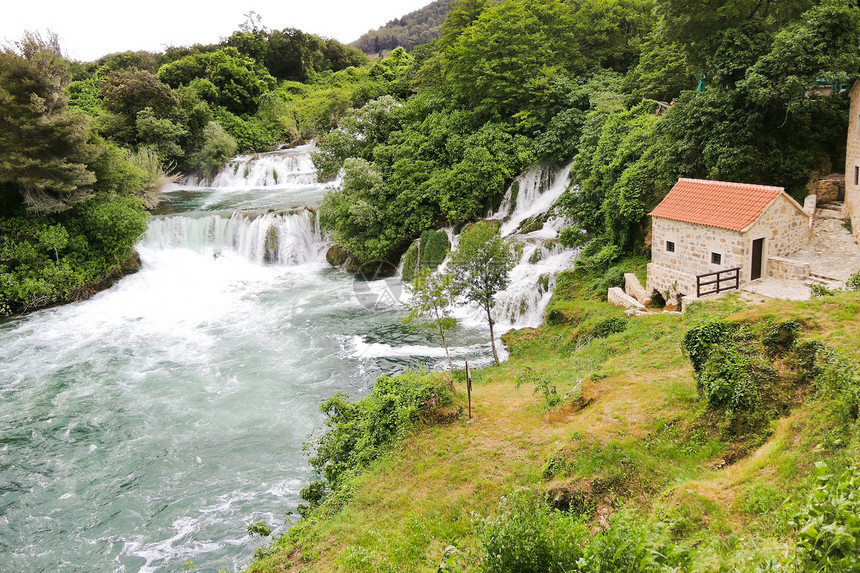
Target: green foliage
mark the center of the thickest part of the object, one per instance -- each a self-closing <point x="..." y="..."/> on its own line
<point x="481" y="265"/>
<point x="238" y="81"/>
<point x="853" y="282"/>
<point x="543" y="385"/>
<point x="434" y="247"/>
<point x="409" y="263"/>
<point x="828" y="535"/>
<point x="163" y="135"/>
<point x="409" y="31"/>
<point x="832" y="374"/>
<point x="359" y="432"/>
<point x="819" y="290"/>
<point x="526" y="535"/>
<point x="218" y="147"/>
<point x="432" y="295"/>
<point x="543" y="38"/>
<point x="260" y="528"/>
<point x="46" y="147"/>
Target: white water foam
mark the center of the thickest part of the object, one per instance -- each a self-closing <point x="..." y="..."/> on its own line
<point x="276" y="169"/>
<point x="539" y="188"/>
<point x="284" y="239"/>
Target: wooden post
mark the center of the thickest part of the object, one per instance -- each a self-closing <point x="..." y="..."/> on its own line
<point x="469" y="387"/>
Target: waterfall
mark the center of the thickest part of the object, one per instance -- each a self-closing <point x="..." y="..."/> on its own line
<point x="271" y="238"/>
<point x="277" y="169"/>
<point x="528" y="203"/>
<point x="531" y="195"/>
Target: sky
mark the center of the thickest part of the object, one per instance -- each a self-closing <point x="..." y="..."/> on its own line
<point x="89" y="29"/>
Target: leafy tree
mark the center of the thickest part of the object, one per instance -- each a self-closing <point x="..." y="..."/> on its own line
<point x="238" y="81"/>
<point x="481" y="265"/>
<point x="825" y="43"/>
<point x="502" y="64"/>
<point x="217" y="148"/>
<point x="162" y="134"/>
<point x="432" y="295"/>
<point x="128" y="92"/>
<point x="46" y="147"/>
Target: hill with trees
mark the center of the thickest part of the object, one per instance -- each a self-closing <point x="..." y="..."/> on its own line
<point x="414" y="29"/>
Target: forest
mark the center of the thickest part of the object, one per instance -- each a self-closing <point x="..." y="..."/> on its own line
<point x="414" y="29"/>
<point x="427" y="138"/>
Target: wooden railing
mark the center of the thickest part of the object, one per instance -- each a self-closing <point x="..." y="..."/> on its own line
<point x="722" y="280"/>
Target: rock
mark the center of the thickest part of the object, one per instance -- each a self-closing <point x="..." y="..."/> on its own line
<point x="336" y="256"/>
<point x="619" y="298"/>
<point x="634" y="288"/>
<point x="575" y="392"/>
<point x="270" y="249"/>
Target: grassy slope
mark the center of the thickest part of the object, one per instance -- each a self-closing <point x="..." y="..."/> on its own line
<point x="645" y="441"/>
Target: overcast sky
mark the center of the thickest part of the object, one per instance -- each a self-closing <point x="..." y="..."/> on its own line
<point x="89" y="29"/>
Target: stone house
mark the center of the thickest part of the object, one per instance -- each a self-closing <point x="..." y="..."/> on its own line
<point x="703" y="227"/>
<point x="852" y="163"/>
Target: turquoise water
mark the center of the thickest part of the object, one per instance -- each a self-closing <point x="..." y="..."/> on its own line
<point x="146" y="427"/>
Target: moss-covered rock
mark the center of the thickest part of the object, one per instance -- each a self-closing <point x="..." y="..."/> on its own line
<point x="410" y="262"/>
<point x="434" y="247"/>
<point x="336" y="256"/>
<point x="270" y="249"/>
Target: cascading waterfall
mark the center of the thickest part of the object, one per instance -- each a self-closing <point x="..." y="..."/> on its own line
<point x="284" y="239"/>
<point x="275" y="169"/>
<point x="531" y="195"/>
<point x="532" y="281"/>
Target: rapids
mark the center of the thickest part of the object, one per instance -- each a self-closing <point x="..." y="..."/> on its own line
<point x="143" y="429"/>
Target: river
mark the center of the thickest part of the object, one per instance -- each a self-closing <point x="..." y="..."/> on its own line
<point x="143" y="429"/>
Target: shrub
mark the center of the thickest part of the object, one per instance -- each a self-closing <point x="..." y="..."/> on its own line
<point x="853" y="282"/>
<point x="819" y="290"/>
<point x="543" y="385"/>
<point x="359" y="432"/>
<point x="527" y="536"/>
<point x="828" y="536"/>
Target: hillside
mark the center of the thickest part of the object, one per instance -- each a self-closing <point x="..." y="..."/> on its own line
<point x="413" y="29"/>
<point x="650" y="474"/>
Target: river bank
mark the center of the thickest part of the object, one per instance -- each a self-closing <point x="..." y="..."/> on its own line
<point x="638" y="445"/>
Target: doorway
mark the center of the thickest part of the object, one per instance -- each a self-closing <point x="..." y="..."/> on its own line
<point x="757" y="255"/>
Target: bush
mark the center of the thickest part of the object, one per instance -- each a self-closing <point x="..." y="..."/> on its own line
<point x="359" y="432"/>
<point x="543" y="385"/>
<point x="819" y="290"/>
<point x="853" y="282"/>
<point x="527" y="536"/>
<point x="828" y="536"/>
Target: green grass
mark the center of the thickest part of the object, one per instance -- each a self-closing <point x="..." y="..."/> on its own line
<point x="640" y="441"/>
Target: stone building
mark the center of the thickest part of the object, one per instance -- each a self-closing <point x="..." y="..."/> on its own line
<point x="703" y="227"/>
<point x="852" y="163"/>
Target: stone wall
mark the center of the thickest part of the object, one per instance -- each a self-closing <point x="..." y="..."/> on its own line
<point x="693" y="247"/>
<point x="784" y="226"/>
<point x="852" y="163"/>
<point x="787" y="269"/>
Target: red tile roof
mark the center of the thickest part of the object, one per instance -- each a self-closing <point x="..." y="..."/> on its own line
<point x="732" y="206"/>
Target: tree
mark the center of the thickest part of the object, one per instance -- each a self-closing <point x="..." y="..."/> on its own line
<point x="432" y="294"/>
<point x="481" y="265"/>
<point x="45" y="146"/>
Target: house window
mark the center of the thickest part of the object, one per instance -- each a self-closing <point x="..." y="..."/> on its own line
<point x="716" y="259"/>
<point x="670" y="246"/>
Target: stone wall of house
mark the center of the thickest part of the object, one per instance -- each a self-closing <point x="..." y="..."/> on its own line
<point x="693" y="247"/>
<point x="852" y="163"/>
<point x="785" y="228"/>
<point x="787" y="269"/>
<point x="783" y="225"/>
